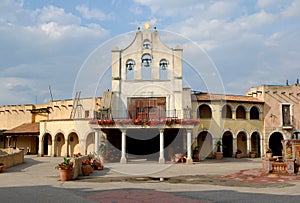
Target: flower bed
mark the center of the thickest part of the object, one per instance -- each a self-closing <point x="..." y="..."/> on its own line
<point x="144" y="122"/>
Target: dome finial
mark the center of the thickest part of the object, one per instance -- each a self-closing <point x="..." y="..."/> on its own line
<point x="147" y="25"/>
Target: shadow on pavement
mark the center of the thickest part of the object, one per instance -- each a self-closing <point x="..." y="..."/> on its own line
<point x="28" y="162"/>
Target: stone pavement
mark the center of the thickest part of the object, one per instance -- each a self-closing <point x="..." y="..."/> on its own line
<point x="228" y="180"/>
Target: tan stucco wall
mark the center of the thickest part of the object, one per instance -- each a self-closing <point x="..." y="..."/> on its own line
<point x="80" y="130"/>
<point x="11" y="157"/>
<point x="14" y="115"/>
<point x="274" y="96"/>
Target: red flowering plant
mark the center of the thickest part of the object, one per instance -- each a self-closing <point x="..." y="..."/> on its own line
<point x="106" y="122"/>
<point x="190" y="122"/>
<point x="87" y="162"/>
<point x="77" y="155"/>
<point x="124" y="122"/>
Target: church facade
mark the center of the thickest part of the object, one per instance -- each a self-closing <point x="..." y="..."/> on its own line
<point x="148" y="114"/>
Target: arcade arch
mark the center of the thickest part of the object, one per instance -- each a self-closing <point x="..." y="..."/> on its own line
<point x="275" y="143"/>
<point x="47" y="144"/>
<point x="240" y="112"/>
<point x="226" y="111"/>
<point x="254" y="113"/>
<point x="255" y="145"/>
<point x="227" y="141"/>
<point x="59" y="145"/>
<point x="242" y="143"/>
<point x="90" y="143"/>
<point x="205" y="144"/>
<point x="204" y="111"/>
<point x="73" y="144"/>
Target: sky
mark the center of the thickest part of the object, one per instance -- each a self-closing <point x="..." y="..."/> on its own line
<point x="45" y="43"/>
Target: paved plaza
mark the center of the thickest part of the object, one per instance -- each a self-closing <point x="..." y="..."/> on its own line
<point x="228" y="180"/>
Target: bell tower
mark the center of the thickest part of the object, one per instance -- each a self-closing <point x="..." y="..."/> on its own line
<point x="147" y="78"/>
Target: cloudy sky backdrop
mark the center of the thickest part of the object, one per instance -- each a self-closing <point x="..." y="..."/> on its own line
<point x="44" y="43"/>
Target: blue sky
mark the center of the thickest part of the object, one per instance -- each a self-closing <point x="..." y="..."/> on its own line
<point x="251" y="42"/>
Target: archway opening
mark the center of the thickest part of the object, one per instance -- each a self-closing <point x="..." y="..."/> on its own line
<point x="242" y="143"/>
<point x="90" y="143"/>
<point x="73" y="142"/>
<point x="47" y="144"/>
<point x="255" y="144"/>
<point x="240" y="112"/>
<point x="227" y="144"/>
<point x="59" y="144"/>
<point x="226" y="111"/>
<point x="204" y="142"/>
<point x="275" y="143"/>
<point x="204" y="111"/>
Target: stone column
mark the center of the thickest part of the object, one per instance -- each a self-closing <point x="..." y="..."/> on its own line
<point x="82" y="143"/>
<point x="123" y="153"/>
<point x="234" y="146"/>
<point x="248" y="145"/>
<point x="189" y="159"/>
<point x="52" y="148"/>
<point x="67" y="147"/>
<point x="161" y="147"/>
<point x="41" y="148"/>
<point x="247" y="115"/>
<point x="96" y="142"/>
<point x="234" y="115"/>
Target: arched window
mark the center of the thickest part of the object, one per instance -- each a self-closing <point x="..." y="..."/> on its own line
<point x="146" y="67"/>
<point x="147" y="44"/>
<point x="226" y="111"/>
<point x="163" y="69"/>
<point x="240" y="112"/>
<point x="254" y="113"/>
<point x="130" y="69"/>
<point x="204" y="111"/>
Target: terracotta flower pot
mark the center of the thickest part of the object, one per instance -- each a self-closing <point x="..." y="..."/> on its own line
<point x="65" y="174"/>
<point x="238" y="156"/>
<point x="86" y="170"/>
<point x="252" y="155"/>
<point x="219" y="155"/>
<point x="269" y="155"/>
<point x="2" y="168"/>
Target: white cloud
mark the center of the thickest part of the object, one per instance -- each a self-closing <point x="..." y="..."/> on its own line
<point x="255" y="20"/>
<point x="42" y="47"/>
<point x="292" y="10"/>
<point x="267" y="4"/>
<point x="95" y="14"/>
<point x="57" y="15"/>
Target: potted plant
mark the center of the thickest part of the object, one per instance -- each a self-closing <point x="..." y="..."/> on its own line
<point x="219" y="154"/>
<point x="269" y="153"/>
<point x="2" y="167"/>
<point x="86" y="167"/>
<point x="238" y="154"/>
<point x="65" y="169"/>
<point x="252" y="154"/>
